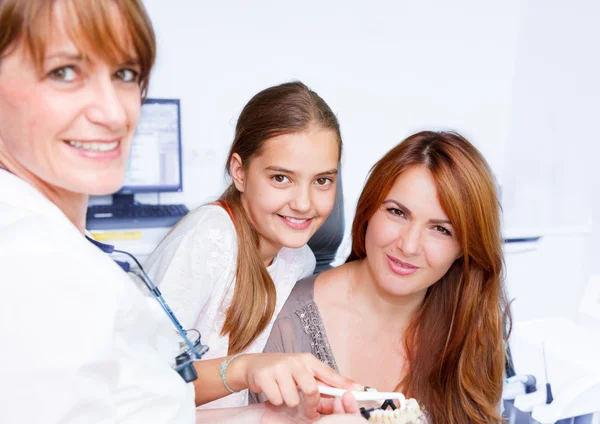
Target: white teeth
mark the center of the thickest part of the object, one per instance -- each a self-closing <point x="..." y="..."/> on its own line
<point x="94" y="146"/>
<point x="295" y="221"/>
<point x="387" y="416"/>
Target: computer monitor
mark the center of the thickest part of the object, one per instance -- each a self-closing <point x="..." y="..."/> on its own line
<point x="155" y="157"/>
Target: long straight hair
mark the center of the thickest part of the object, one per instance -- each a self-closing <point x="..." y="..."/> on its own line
<point x="91" y="26"/>
<point x="283" y="109"/>
<point x="456" y="342"/>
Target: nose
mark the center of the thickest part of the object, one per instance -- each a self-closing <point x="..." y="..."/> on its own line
<point x="106" y="107"/>
<point x="301" y="201"/>
<point x="409" y="240"/>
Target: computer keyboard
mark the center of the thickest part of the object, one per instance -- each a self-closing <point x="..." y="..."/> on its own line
<point x="118" y="216"/>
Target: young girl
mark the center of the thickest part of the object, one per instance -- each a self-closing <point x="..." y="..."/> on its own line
<point x="420" y="305"/>
<point x="227" y="268"/>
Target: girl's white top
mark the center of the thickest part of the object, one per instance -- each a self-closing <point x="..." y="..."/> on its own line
<point x="194" y="267"/>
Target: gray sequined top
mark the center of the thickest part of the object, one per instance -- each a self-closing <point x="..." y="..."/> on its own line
<point x="299" y="328"/>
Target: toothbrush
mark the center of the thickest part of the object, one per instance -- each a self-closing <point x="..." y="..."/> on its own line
<point x="363" y="395"/>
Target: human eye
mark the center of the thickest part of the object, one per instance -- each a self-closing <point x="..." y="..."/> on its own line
<point x="64" y="74"/>
<point x="324" y="181"/>
<point x="442" y="230"/>
<point x="127" y="75"/>
<point x="280" y="179"/>
<point x="396" y="212"/>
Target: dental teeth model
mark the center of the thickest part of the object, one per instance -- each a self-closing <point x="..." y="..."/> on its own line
<point x="409" y="411"/>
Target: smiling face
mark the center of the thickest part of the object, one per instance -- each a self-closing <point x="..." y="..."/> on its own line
<point x="69" y="128"/>
<point x="410" y="243"/>
<point x="288" y="190"/>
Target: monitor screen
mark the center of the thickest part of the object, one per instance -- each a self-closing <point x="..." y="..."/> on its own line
<point x="155" y="158"/>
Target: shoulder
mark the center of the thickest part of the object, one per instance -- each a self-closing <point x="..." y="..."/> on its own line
<point x="36" y="245"/>
<point x="332" y="285"/>
<point x="300" y="262"/>
<point x="52" y="274"/>
<point x="47" y="263"/>
<point x="38" y="237"/>
<point x="205" y="232"/>
<point x="208" y="224"/>
<point x="301" y="295"/>
<point x="206" y="217"/>
<point x="18" y="227"/>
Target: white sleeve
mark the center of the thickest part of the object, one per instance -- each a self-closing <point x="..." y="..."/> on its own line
<point x="310" y="262"/>
<point x="195" y="263"/>
<point x="57" y="330"/>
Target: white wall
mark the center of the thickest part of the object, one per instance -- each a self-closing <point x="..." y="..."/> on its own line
<point x="551" y="169"/>
<point x="553" y="143"/>
<point x="521" y="79"/>
<point x="387" y="69"/>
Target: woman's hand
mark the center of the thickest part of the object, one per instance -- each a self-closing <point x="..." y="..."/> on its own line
<point x="345" y="410"/>
<point x="347" y="404"/>
<point x="280" y="377"/>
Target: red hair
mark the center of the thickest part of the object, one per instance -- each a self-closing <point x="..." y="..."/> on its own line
<point x="90" y="25"/>
<point x="456" y="342"/>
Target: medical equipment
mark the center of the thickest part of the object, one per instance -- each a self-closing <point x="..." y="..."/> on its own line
<point x="515" y="386"/>
<point x="155" y="166"/>
<point x="563" y="357"/>
<point x="408" y="411"/>
<point x="190" y="351"/>
<point x="549" y="397"/>
<point x="565" y="352"/>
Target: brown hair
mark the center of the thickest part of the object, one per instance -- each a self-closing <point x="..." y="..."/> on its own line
<point x="90" y="25"/>
<point x="455" y="344"/>
<point x="282" y="109"/>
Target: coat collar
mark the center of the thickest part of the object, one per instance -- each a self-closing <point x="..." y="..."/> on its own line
<point x="18" y="193"/>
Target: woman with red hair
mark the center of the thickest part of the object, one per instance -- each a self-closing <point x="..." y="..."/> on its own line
<point x="419" y="306"/>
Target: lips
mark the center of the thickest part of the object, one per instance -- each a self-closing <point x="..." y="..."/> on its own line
<point x="95" y="146"/>
<point x="400" y="267"/>
<point x="96" y="149"/>
<point x="296" y="223"/>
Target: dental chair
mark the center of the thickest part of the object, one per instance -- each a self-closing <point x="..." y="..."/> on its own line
<point x="564" y="353"/>
<point x="326" y="241"/>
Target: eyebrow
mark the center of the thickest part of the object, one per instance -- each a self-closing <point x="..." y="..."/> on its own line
<point x="64" y="55"/>
<point x="131" y="62"/>
<point x="409" y="213"/>
<point x="332" y="171"/>
<point x="76" y="57"/>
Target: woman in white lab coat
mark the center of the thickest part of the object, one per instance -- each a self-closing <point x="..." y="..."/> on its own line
<point x="81" y="342"/>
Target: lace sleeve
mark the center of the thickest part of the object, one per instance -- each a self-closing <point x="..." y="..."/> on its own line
<point x="310" y="262"/>
<point x="194" y="262"/>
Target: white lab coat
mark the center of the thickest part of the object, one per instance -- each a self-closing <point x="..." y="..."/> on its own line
<point x="80" y="342"/>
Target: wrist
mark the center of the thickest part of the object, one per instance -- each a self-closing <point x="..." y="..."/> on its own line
<point x="236" y="373"/>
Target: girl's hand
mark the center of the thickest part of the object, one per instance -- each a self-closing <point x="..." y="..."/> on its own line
<point x="280" y="377"/>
